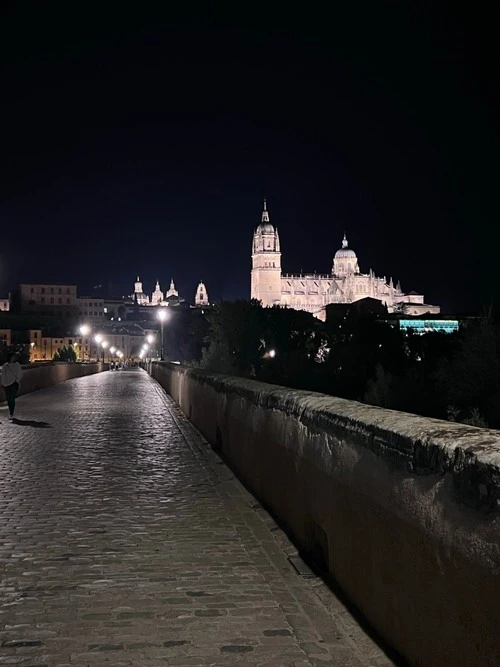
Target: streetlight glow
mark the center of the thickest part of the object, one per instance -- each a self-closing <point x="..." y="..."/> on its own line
<point x="98" y="338"/>
<point x="162" y="316"/>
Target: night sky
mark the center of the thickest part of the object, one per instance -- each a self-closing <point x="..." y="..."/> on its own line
<point x="136" y="143"/>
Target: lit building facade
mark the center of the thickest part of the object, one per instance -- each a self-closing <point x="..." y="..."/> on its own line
<point x="170" y="297"/>
<point x="313" y="292"/>
<point x="5" y="305"/>
<point x="128" y="338"/>
<point x="52" y="300"/>
<point x="91" y="309"/>
<point x="5" y="337"/>
<point x="201" y="296"/>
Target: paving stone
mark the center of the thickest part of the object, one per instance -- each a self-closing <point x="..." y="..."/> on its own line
<point x="125" y="540"/>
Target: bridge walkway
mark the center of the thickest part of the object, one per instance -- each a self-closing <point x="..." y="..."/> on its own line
<point x="125" y="540"/>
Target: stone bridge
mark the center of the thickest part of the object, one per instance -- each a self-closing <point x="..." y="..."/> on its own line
<point x="126" y="539"/>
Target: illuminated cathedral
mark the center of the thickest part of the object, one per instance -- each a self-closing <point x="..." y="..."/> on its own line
<point x="313" y="292"/>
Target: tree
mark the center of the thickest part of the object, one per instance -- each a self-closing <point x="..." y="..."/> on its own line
<point x="470" y="379"/>
<point x="21" y="351"/>
<point x="65" y="354"/>
<point x="234" y="338"/>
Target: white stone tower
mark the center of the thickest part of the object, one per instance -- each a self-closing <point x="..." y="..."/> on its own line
<point x="201" y="296"/>
<point x="141" y="298"/>
<point x="171" y="290"/>
<point x="266" y="263"/>
<point x="157" y="296"/>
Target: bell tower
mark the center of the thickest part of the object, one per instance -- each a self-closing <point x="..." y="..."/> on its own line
<point x="266" y="262"/>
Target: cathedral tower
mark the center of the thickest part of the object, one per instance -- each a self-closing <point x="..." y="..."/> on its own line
<point x="266" y="263"/>
<point x="201" y="296"/>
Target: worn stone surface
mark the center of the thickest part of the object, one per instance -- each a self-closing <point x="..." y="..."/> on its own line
<point x="124" y="540"/>
<point x="410" y="442"/>
<point x="402" y="511"/>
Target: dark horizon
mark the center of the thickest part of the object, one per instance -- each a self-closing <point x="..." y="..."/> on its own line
<point x="137" y="146"/>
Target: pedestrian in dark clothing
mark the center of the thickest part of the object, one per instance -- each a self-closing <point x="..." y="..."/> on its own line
<point x="12" y="374"/>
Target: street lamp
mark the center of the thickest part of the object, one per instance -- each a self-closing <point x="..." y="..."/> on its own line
<point x="104" y="345"/>
<point x="162" y="316"/>
<point x="85" y="331"/>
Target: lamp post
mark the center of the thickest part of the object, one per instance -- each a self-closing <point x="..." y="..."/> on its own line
<point x="98" y="340"/>
<point x="85" y="331"/>
<point x="104" y="345"/>
<point x="162" y="316"/>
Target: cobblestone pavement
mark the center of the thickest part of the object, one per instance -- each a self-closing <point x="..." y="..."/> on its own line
<point x="124" y="540"/>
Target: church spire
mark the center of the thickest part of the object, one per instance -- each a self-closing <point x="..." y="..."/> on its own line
<point x="344" y="241"/>
<point x="265" y="214"/>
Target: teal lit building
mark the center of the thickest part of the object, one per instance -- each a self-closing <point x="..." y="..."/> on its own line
<point x="425" y="326"/>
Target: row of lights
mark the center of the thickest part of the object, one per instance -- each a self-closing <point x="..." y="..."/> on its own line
<point x="99" y="339"/>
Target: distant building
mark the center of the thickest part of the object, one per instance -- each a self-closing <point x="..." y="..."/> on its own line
<point x="157" y="296"/>
<point x="128" y="338"/>
<point x="426" y="325"/>
<point x="139" y="296"/>
<point x="170" y="298"/>
<point x="201" y="296"/>
<point x="5" y="337"/>
<point x="49" y="300"/>
<point x="91" y="309"/>
<point x="313" y="292"/>
<point x="5" y="304"/>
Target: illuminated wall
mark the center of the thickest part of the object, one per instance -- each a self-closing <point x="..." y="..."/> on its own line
<point x="424" y="326"/>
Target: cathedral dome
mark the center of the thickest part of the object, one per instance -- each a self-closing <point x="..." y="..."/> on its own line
<point x="265" y="228"/>
<point x="345" y="252"/>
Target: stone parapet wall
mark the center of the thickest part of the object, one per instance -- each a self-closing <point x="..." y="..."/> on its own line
<point x="402" y="511"/>
<point x="41" y="376"/>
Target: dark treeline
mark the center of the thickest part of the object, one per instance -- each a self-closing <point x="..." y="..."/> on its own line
<point x="449" y="376"/>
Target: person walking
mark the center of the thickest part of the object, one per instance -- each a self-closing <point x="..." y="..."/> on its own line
<point x="12" y="374"/>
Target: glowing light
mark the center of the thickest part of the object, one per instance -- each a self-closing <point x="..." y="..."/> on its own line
<point x="272" y="353"/>
<point x="98" y="338"/>
<point x="85" y="330"/>
<point x="150" y="339"/>
<point x="162" y="315"/>
<point x="104" y="344"/>
<point x="423" y="326"/>
<point x="112" y="350"/>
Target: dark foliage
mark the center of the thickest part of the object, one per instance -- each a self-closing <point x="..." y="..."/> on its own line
<point x="448" y="376"/>
<point x="21" y="351"/>
<point x="65" y="354"/>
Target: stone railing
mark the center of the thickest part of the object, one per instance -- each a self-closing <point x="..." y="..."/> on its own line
<point x="46" y="374"/>
<point x="403" y="512"/>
